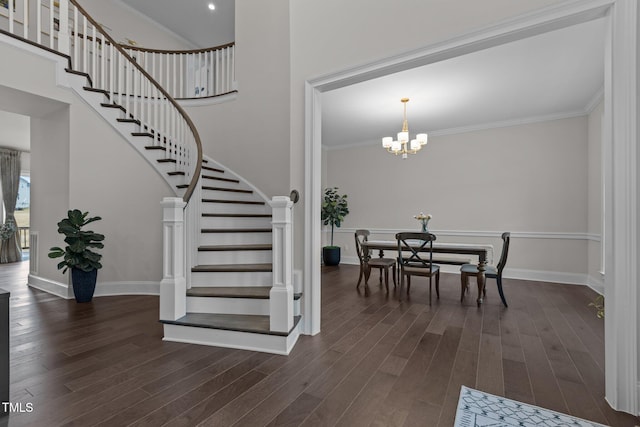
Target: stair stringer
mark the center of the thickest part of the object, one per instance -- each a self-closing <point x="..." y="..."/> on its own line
<point x="111" y="115"/>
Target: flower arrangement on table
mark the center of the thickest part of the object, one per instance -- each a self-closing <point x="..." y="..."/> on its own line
<point x="424" y="221"/>
<point x="7" y="230"/>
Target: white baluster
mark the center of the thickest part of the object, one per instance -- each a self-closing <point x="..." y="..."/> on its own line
<point x="210" y="73"/>
<point x="233" y="68"/>
<point x="85" y="45"/>
<point x="94" y="54"/>
<point x="218" y="71"/>
<point x="181" y="70"/>
<point x="51" y="13"/>
<point x="103" y="59"/>
<point x="63" y="26"/>
<point x="173" y="92"/>
<point x="11" y="5"/>
<point x="281" y="294"/>
<point x="25" y="24"/>
<point x="76" y="38"/>
<point x="121" y="74"/>
<point x="111" y="72"/>
<point x="173" y="287"/>
<point x="38" y="22"/>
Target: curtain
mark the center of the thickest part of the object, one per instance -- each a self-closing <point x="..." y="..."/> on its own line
<point x="10" y="178"/>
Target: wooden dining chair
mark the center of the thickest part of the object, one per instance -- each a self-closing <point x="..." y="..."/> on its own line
<point x="491" y="272"/>
<point x="379" y="263"/>
<point x="419" y="247"/>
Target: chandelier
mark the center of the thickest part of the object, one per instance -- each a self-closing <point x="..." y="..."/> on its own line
<point x="402" y="145"/>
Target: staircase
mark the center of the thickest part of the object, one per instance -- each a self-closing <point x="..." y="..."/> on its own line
<point x="227" y="248"/>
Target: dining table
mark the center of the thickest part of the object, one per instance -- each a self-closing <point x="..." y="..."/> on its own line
<point x="484" y="252"/>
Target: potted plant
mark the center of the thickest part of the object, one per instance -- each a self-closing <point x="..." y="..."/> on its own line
<point x="334" y="209"/>
<point x="78" y="256"/>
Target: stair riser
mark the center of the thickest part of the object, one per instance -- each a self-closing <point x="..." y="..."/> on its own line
<point x="234" y="208"/>
<point x="232" y="339"/>
<point x="234" y="257"/>
<point x="229" y="195"/>
<point x="228" y="305"/>
<point x="262" y="278"/>
<point x="233" y="306"/>
<point x="231" y="222"/>
<point x="234" y="239"/>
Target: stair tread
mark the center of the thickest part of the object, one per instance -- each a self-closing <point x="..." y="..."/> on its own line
<point x="236" y="230"/>
<point x="234" y="190"/>
<point x="136" y="121"/>
<point x="209" y="168"/>
<point x="252" y="292"/>
<point x="93" y="89"/>
<point x="218" y="178"/>
<point x="230" y="322"/>
<point x="230" y="268"/>
<point x="256" y="292"/>
<point x="255" y="247"/>
<point x="241" y="202"/>
<point x="235" y="215"/>
<point x="107" y="105"/>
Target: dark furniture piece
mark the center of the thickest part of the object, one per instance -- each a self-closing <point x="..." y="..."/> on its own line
<point x="491" y="271"/>
<point x="4" y="349"/>
<point x="419" y="246"/>
<point x="362" y="237"/>
<point x="479" y="250"/>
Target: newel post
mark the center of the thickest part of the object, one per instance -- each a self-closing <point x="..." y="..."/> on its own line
<point x="173" y="287"/>
<point x="281" y="295"/>
<point x="63" y="27"/>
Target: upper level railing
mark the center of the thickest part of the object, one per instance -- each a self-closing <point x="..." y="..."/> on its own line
<point x="190" y="74"/>
<point x="65" y="27"/>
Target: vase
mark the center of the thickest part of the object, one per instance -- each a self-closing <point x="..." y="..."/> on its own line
<point x="84" y="284"/>
<point x="425" y="225"/>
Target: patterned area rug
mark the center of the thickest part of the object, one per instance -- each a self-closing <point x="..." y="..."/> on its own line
<point x="479" y="409"/>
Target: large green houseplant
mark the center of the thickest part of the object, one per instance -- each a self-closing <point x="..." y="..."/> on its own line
<point x="334" y="209"/>
<point x="78" y="256"/>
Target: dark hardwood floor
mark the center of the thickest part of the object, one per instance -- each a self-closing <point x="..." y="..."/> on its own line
<point x="377" y="361"/>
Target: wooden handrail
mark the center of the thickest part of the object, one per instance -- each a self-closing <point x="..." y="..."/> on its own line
<point x="206" y="49"/>
<point x="196" y="175"/>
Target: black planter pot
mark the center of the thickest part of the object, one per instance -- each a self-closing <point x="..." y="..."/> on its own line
<point x="331" y="255"/>
<point x="84" y="284"/>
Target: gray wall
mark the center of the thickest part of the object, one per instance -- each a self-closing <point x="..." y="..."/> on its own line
<point x="530" y="179"/>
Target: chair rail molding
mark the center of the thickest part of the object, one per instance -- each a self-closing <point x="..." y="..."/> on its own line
<point x="621" y="185"/>
<point x="492" y="234"/>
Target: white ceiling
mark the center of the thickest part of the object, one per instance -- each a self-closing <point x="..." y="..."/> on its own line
<point x="192" y="20"/>
<point x="551" y="75"/>
<point x="555" y="74"/>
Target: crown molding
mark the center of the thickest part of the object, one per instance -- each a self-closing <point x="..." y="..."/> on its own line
<point x="489" y="125"/>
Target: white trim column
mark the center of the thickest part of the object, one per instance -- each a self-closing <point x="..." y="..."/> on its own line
<point x="173" y="291"/>
<point x="621" y="215"/>
<point x="281" y="294"/>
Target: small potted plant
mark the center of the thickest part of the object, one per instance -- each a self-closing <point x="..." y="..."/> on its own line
<point x="334" y="209"/>
<point x="78" y="256"/>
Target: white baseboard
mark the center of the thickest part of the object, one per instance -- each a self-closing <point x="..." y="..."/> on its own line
<point x="61" y="290"/>
<point x="103" y="289"/>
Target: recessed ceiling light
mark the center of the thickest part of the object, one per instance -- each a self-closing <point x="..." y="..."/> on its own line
<point x="211" y="6"/>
